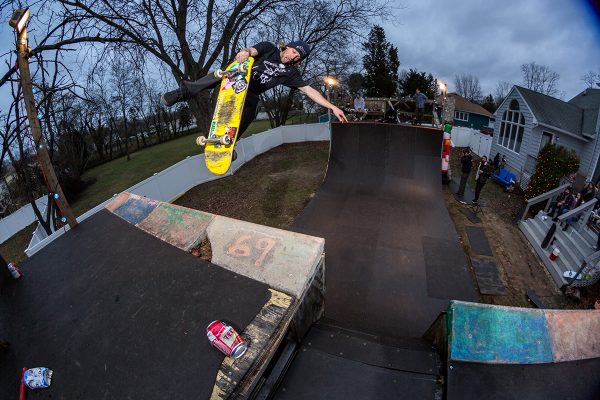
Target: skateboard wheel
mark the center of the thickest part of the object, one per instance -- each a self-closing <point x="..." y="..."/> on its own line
<point x="225" y="139"/>
<point x="218" y="73"/>
<point x="201" y="141"/>
<point x="243" y="68"/>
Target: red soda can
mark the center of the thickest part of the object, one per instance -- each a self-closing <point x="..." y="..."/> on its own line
<point x="226" y="339"/>
<point x="14" y="270"/>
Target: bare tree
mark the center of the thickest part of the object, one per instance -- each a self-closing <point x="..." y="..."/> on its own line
<point x="540" y="78"/>
<point x="591" y="79"/>
<point x="468" y="87"/>
<point x="502" y="90"/>
<point x="329" y="28"/>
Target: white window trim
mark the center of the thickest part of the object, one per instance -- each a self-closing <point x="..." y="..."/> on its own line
<point x="508" y="124"/>
<point x="458" y="114"/>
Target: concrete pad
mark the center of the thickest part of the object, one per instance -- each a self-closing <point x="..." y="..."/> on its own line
<point x="575" y="334"/>
<point x="284" y="260"/>
<point x="497" y="334"/>
<point x="182" y="227"/>
<point x="132" y="207"/>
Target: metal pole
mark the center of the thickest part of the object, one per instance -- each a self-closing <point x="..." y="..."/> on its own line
<point x="328" y="88"/>
<point x="36" y="129"/>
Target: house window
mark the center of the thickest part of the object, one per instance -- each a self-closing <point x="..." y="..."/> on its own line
<point x="512" y="127"/>
<point x="461" y="116"/>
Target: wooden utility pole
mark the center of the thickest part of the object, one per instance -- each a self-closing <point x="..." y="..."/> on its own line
<point x="36" y="130"/>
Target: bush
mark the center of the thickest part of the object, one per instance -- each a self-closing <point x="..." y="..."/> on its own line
<point x="554" y="162"/>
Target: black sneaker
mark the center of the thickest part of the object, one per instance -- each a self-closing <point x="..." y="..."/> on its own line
<point x="172" y="97"/>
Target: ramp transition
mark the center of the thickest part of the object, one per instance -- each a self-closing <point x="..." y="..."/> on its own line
<point x="393" y="258"/>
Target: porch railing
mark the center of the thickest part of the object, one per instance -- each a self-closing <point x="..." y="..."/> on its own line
<point x="548" y="196"/>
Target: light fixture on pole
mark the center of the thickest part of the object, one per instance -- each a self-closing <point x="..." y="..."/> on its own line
<point x="19" y="22"/>
<point x="330" y="83"/>
<point x="19" y="19"/>
<point x="443" y="88"/>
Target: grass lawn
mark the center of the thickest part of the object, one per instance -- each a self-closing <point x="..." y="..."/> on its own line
<point x="119" y="174"/>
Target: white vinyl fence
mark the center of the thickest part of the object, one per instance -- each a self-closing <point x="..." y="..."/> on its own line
<point x="479" y="143"/>
<point x="174" y="181"/>
<point x="24" y="216"/>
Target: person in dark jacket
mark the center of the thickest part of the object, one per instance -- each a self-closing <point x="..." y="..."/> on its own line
<point x="273" y="66"/>
<point x="484" y="171"/>
<point x="558" y="202"/>
<point x="496" y="162"/>
<point x="466" y="162"/>
<point x="588" y="192"/>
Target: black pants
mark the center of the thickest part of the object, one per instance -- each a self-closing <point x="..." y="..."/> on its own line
<point x="478" y="186"/>
<point x="463" y="183"/>
<point x="419" y="115"/>
<point x="191" y="89"/>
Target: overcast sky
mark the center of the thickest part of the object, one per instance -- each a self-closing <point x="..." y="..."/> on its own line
<point x="492" y="39"/>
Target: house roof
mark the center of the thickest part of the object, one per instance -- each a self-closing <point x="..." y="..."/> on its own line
<point x="589" y="101"/>
<point x="554" y="112"/>
<point x="462" y="104"/>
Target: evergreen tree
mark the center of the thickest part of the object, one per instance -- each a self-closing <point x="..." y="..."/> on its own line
<point x="355" y="83"/>
<point x="554" y="162"/>
<point x="413" y="79"/>
<point x="381" y="64"/>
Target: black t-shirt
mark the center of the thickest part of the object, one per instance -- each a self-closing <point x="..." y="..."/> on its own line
<point x="268" y="71"/>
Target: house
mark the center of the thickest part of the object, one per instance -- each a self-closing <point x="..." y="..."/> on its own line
<point x="469" y="114"/>
<point x="526" y="121"/>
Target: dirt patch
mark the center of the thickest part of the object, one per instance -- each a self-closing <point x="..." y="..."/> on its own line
<point x="269" y="190"/>
<point x="518" y="264"/>
<point x="203" y="250"/>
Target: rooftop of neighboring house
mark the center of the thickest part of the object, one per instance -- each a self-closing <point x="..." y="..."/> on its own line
<point x="462" y="104"/>
<point x="578" y="116"/>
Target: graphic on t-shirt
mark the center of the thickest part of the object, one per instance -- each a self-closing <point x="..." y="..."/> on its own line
<point x="271" y="70"/>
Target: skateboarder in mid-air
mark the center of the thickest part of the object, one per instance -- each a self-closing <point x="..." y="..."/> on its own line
<point x="272" y="67"/>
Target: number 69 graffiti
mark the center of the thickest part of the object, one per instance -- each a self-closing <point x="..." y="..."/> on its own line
<point x="247" y="246"/>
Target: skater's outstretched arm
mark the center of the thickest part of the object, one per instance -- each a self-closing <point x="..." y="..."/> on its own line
<point x="315" y="96"/>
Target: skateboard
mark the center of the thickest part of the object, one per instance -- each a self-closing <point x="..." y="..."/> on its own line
<point x="532" y="297"/>
<point x="219" y="144"/>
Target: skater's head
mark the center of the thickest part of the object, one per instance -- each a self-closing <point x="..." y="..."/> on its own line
<point x="294" y="52"/>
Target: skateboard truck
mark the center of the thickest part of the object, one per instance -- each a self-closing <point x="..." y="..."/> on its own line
<point x="203" y="141"/>
<point x="241" y="69"/>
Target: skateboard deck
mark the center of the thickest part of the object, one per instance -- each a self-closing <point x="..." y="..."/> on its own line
<point x="227" y="116"/>
<point x="532" y="297"/>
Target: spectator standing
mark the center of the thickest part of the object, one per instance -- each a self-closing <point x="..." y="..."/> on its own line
<point x="466" y="162"/>
<point x="420" y="100"/>
<point x="483" y="173"/>
<point x="588" y="192"/>
<point x="359" y="107"/>
<point x="496" y="162"/>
